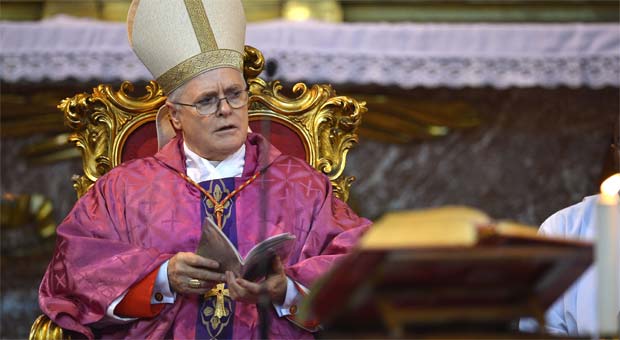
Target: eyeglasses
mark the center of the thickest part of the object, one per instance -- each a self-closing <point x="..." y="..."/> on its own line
<point x="211" y="105"/>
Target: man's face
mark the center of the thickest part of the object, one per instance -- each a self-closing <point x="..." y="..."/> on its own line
<point x="218" y="135"/>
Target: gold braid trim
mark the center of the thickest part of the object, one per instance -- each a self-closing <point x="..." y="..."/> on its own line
<point x="219" y="206"/>
<point x="198" y="64"/>
<point x="200" y="23"/>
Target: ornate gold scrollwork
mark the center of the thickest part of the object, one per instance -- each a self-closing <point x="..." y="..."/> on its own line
<point x="102" y="121"/>
<point x="327" y="122"/>
<point x="337" y="123"/>
<point x="44" y="328"/>
<point x="253" y="62"/>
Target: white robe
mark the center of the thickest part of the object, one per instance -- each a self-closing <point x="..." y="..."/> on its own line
<point x="574" y="313"/>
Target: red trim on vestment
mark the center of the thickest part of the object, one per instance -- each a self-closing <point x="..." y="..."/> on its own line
<point x="137" y="302"/>
<point x="309" y="325"/>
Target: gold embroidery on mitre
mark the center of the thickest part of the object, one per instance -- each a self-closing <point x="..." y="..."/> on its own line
<point x="200" y="23"/>
<point x="198" y="64"/>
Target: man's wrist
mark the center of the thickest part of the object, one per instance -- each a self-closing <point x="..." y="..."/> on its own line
<point x="291" y="297"/>
<point x="162" y="291"/>
<point x="282" y="288"/>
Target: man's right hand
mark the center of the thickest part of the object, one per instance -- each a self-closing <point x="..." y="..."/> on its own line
<point x="184" y="267"/>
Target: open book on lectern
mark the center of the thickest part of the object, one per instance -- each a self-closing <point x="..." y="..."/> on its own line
<point x="445" y="266"/>
<point x="215" y="245"/>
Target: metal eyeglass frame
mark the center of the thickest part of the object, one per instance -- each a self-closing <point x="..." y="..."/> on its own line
<point x="218" y="105"/>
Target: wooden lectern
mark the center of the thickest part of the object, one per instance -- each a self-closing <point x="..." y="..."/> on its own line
<point x="444" y="272"/>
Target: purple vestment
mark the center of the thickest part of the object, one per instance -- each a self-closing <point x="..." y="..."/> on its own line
<point x="142" y="213"/>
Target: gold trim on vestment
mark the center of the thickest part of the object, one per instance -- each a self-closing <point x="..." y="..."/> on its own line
<point x="198" y="64"/>
<point x="200" y="23"/>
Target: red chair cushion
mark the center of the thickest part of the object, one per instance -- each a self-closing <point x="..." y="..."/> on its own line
<point x="281" y="136"/>
<point x="142" y="142"/>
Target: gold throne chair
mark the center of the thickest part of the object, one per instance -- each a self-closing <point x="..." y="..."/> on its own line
<point x="114" y="126"/>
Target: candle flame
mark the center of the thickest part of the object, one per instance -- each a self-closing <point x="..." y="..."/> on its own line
<point x="611" y="185"/>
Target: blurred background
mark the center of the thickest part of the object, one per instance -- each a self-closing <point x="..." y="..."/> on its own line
<point x="508" y="106"/>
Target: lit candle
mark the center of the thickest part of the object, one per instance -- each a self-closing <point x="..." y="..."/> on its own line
<point x="607" y="256"/>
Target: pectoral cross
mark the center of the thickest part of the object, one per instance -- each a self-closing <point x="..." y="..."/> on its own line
<point x="219" y="292"/>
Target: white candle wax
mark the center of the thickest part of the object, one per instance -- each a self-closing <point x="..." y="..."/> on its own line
<point x="607" y="256"/>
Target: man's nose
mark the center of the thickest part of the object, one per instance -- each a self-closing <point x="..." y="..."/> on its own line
<point x="225" y="108"/>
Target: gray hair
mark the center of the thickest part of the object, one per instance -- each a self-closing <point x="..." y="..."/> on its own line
<point x="176" y="93"/>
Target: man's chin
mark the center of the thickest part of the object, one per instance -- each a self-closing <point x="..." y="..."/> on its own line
<point x="228" y="149"/>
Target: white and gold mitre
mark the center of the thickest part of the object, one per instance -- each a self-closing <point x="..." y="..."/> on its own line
<point x="180" y="39"/>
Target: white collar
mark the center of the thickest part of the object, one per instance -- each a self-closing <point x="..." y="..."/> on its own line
<point x="200" y="169"/>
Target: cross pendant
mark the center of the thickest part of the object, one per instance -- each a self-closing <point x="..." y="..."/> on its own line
<point x="219" y="292"/>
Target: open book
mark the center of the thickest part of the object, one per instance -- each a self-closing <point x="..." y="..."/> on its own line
<point x="445" y="227"/>
<point x="444" y="269"/>
<point x="215" y="245"/>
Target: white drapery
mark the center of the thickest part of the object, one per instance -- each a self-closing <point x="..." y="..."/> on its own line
<point x="404" y="54"/>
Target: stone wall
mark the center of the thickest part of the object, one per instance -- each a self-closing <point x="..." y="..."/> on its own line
<point x="536" y="151"/>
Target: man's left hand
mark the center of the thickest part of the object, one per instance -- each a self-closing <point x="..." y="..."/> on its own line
<point x="246" y="291"/>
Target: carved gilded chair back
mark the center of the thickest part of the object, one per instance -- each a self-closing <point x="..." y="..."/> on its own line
<point x="106" y="122"/>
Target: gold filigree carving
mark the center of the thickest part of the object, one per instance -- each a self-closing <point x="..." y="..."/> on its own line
<point x="327" y="123"/>
<point x="44" y="329"/>
<point x="253" y="62"/>
<point x="306" y="113"/>
<point x="101" y="122"/>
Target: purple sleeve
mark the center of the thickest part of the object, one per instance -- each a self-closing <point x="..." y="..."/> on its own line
<point x="95" y="260"/>
<point x="334" y="230"/>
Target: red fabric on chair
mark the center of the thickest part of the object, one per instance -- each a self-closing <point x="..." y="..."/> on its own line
<point x="142" y="142"/>
<point x="282" y="137"/>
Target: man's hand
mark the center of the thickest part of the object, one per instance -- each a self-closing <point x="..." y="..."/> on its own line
<point x="249" y="292"/>
<point x="184" y="267"/>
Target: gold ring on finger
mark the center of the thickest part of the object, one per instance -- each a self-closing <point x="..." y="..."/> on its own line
<point x="194" y="283"/>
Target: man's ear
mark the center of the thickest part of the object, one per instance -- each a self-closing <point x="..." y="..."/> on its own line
<point x="174" y="116"/>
